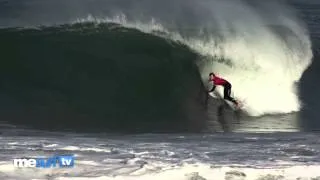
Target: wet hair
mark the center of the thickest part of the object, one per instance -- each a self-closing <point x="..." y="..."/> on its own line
<point x="211" y="74"/>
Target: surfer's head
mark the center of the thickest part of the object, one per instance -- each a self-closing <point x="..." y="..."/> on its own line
<point x="211" y="75"/>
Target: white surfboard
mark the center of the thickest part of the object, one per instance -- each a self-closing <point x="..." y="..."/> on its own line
<point x="231" y="104"/>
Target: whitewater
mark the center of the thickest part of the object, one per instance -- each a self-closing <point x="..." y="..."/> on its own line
<point x="262" y="51"/>
<point x="274" y="156"/>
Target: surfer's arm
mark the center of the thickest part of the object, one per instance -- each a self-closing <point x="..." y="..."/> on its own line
<point x="213" y="88"/>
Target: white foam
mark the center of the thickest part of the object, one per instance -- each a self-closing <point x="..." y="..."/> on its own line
<point x="92" y="163"/>
<point x="206" y="172"/>
<point x="160" y="171"/>
<point x="75" y="148"/>
<point x="212" y="156"/>
<point x="50" y="145"/>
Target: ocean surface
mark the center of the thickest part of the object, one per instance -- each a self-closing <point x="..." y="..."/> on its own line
<point x="123" y="85"/>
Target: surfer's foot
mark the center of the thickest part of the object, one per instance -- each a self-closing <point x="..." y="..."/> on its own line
<point x="236" y="103"/>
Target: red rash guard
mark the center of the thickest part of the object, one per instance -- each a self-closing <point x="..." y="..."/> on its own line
<point x="219" y="81"/>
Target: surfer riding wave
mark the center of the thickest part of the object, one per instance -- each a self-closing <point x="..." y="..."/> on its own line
<point x="226" y="85"/>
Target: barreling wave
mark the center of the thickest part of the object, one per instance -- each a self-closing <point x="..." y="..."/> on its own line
<point x="125" y="69"/>
<point x="264" y="57"/>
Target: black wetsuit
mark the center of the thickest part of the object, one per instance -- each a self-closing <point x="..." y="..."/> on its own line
<point x="226" y="92"/>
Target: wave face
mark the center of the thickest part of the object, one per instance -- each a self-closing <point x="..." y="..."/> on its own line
<point x="105" y="76"/>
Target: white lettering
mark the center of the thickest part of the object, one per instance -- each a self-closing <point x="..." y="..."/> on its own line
<point x="32" y="163"/>
<point x="66" y="162"/>
<point x="62" y="161"/>
<point x="24" y="163"/>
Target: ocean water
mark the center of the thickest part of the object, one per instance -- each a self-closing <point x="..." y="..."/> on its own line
<point x="122" y="85"/>
<point x="165" y="156"/>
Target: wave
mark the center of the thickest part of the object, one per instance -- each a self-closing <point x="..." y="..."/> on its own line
<point x="263" y="52"/>
<point x="141" y="68"/>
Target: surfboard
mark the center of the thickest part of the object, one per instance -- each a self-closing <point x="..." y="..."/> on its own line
<point x="229" y="103"/>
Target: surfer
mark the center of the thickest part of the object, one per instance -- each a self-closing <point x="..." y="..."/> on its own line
<point x="226" y="85"/>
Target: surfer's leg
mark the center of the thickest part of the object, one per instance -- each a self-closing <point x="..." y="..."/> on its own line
<point x="227" y="93"/>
